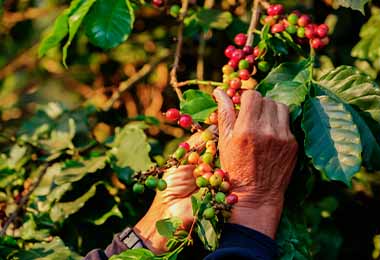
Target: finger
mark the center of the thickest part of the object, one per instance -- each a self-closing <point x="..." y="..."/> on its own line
<point x="226" y="113"/>
<point x="283" y="119"/>
<point x="269" y="114"/>
<point x="196" y="139"/>
<point x="250" y="109"/>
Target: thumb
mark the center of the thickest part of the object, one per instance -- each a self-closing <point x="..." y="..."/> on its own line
<point x="226" y="113"/>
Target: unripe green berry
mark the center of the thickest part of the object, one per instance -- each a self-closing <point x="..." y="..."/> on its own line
<point x="292" y="29"/>
<point x="151" y="182"/>
<point x="201" y="182"/>
<point x="293" y="19"/>
<point x="174" y="10"/>
<point x="233" y="75"/>
<point x="207" y="158"/>
<point x="263" y="66"/>
<point x="243" y="64"/>
<point x="209" y="213"/>
<point x="301" y="32"/>
<point x="161" y="185"/>
<point x="220" y="197"/>
<point x="179" y="153"/>
<point x="138" y="188"/>
<point x="215" y="180"/>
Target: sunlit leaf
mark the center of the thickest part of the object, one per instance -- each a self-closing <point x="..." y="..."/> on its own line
<point x="353" y="4"/>
<point x="167" y="227"/>
<point x="134" y="254"/>
<point x="198" y="104"/>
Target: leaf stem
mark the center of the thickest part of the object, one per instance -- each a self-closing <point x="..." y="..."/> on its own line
<point x="253" y="22"/>
<point x="199" y="82"/>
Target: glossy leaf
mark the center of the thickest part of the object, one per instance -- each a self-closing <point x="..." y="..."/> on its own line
<point x="167" y="227"/>
<point x="107" y="25"/>
<point x="197" y="104"/>
<point x="207" y="234"/>
<point x="213" y="19"/>
<point x="332" y="139"/>
<point x="134" y="254"/>
<point x="353" y="4"/>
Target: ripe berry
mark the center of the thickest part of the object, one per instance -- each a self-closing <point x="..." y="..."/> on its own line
<point x="211" y="149"/>
<point x="304" y="20"/>
<point x="215" y="180"/>
<point x="207" y="175"/>
<point x="220" y="172"/>
<point x="185" y="145"/>
<point x="185" y="121"/>
<point x="231" y="92"/>
<point x="301" y="32"/>
<point x="220" y="197"/>
<point x="204" y="167"/>
<point x="179" y="153"/>
<point x="227" y="69"/>
<point x="270" y="20"/>
<point x="263" y="66"/>
<point x="322" y="30"/>
<point x="210" y="145"/>
<point x="236" y="99"/>
<point x="292" y="29"/>
<point x="278" y="9"/>
<point x="193" y="158"/>
<point x="201" y="182"/>
<point x="309" y="31"/>
<point x="244" y="74"/>
<point x="316" y="43"/>
<point x="247" y="49"/>
<point x="207" y="135"/>
<point x="229" y="50"/>
<point x="240" y="39"/>
<point x="235" y="83"/>
<point x="207" y="157"/>
<point x="151" y="182"/>
<point x="209" y="213"/>
<point x="197" y="172"/>
<point x="232" y="199"/>
<point x="225" y="186"/>
<point x="292" y="19"/>
<point x="277" y="28"/>
<point x="250" y="59"/>
<point x="243" y="64"/>
<point x="161" y="185"/>
<point x="233" y="63"/>
<point x="138" y="188"/>
<point x="158" y="3"/>
<point x="213" y="117"/>
<point x="172" y="114"/>
<point x="256" y="51"/>
<point x="237" y="55"/>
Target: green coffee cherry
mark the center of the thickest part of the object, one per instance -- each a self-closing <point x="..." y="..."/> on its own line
<point x="151" y="182"/>
<point x="207" y="157"/>
<point x="263" y="66"/>
<point x="292" y="29"/>
<point x="179" y="153"/>
<point x="174" y="10"/>
<point x="220" y="197"/>
<point x="161" y="185"/>
<point x="292" y="19"/>
<point x="209" y="213"/>
<point x="138" y="188"/>
<point x="201" y="182"/>
<point x="215" y="180"/>
<point x="301" y="32"/>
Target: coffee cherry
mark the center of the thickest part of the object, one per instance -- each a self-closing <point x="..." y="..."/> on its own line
<point x="235" y="83"/>
<point x="229" y="50"/>
<point x="213" y="117"/>
<point x="174" y="10"/>
<point x="151" y="182"/>
<point x="237" y="55"/>
<point x="138" y="188"/>
<point x="185" y="121"/>
<point x="185" y="145"/>
<point x="161" y="185"/>
<point x="309" y="31"/>
<point x="236" y="99"/>
<point x="322" y="30"/>
<point x="250" y="59"/>
<point x="247" y="49"/>
<point x="207" y="157"/>
<point x="220" y="197"/>
<point x="271" y="11"/>
<point x="304" y="20"/>
<point x="179" y="153"/>
<point x="205" y="167"/>
<point x="220" y="172"/>
<point x="207" y="175"/>
<point x="215" y="180"/>
<point x="172" y="114"/>
<point x="278" y="9"/>
<point x="227" y="69"/>
<point x="325" y="41"/>
<point x="207" y="135"/>
<point x="244" y="74"/>
<point x="193" y="158"/>
<point x="256" y="51"/>
<point x="201" y="182"/>
<point x="316" y="43"/>
<point x="232" y="199"/>
<point x="234" y="75"/>
<point x="243" y="64"/>
<point x="292" y="19"/>
<point x="158" y="3"/>
<point x="231" y="92"/>
<point x="225" y="186"/>
<point x="233" y="63"/>
<point x="292" y="29"/>
<point x="301" y="32"/>
<point x="210" y="145"/>
<point x="270" y="20"/>
<point x="209" y="213"/>
<point x="197" y="172"/>
<point x="263" y="66"/>
<point x="240" y="39"/>
<point x="277" y="28"/>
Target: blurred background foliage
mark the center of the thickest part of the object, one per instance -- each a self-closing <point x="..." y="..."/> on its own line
<point x="339" y="223"/>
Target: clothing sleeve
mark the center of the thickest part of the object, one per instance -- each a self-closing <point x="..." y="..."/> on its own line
<point x="239" y="242"/>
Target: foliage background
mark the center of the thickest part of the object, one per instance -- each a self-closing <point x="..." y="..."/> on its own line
<point x="327" y="218"/>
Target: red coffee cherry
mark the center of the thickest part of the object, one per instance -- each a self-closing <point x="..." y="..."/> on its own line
<point x="240" y="39"/>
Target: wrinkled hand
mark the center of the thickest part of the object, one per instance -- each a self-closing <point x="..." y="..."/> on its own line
<point x="174" y="201"/>
<point x="259" y="152"/>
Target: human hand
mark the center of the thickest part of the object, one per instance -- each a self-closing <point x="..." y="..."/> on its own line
<point x="259" y="152"/>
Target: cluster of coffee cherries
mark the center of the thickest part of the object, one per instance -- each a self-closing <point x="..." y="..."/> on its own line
<point x="214" y="180"/>
<point x="297" y="24"/>
<point x="151" y="182"/>
<point x="183" y="120"/>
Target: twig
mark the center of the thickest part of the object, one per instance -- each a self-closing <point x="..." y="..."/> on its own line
<point x="11" y="18"/>
<point x="177" y="55"/>
<point x="23" y="201"/>
<point x="145" y="70"/>
<point x="253" y="23"/>
<point x="198" y="82"/>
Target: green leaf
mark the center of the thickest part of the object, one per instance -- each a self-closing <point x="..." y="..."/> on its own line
<point x="74" y="21"/>
<point x="77" y="172"/>
<point x="131" y="148"/>
<point x="207" y="234"/>
<point x="353" y="4"/>
<point x="213" y="19"/>
<point x="332" y="139"/>
<point x="115" y="211"/>
<point x="287" y="71"/>
<point x="167" y="227"/>
<point x="17" y="157"/>
<point x="197" y="104"/>
<point x="107" y="25"/>
<point x="28" y="231"/>
<point x="47" y="181"/>
<point x="134" y="254"/>
<point x="278" y="46"/>
<point x="369" y="45"/>
<point x="55" y="249"/>
<point x="290" y="93"/>
<point x="352" y="87"/>
<point x="62" y="210"/>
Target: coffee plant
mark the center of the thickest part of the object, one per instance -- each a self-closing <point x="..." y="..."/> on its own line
<point x="98" y="99"/>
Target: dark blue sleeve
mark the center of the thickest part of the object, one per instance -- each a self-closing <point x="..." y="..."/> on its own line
<point x="238" y="242"/>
